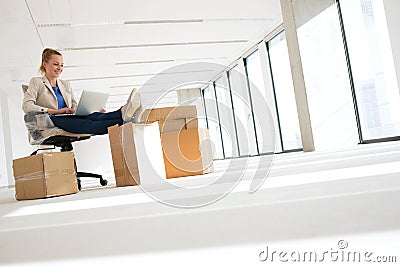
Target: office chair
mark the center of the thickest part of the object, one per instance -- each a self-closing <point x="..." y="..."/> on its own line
<point x="51" y="137"/>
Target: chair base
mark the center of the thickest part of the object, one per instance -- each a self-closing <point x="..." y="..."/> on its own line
<point x="103" y="181"/>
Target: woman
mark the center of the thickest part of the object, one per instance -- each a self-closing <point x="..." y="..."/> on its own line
<point x="49" y="94"/>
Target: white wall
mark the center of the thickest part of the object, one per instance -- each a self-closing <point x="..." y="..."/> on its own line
<point x="3" y="166"/>
<point x="7" y="145"/>
<point x="392" y="8"/>
<point x="19" y="133"/>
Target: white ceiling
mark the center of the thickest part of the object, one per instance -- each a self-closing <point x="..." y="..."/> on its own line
<point x="114" y="45"/>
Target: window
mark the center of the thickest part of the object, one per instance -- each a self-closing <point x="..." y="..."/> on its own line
<point x="242" y="111"/>
<point x="372" y="68"/>
<point x="284" y="92"/>
<point x="224" y="102"/>
<point x="213" y="121"/>
<point x="262" y="120"/>
<point x="329" y="94"/>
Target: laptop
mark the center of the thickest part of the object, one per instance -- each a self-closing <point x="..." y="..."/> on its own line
<point x="89" y="102"/>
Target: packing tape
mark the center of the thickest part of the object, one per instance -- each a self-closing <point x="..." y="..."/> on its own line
<point x="30" y="176"/>
<point x="60" y="172"/>
<point x="41" y="175"/>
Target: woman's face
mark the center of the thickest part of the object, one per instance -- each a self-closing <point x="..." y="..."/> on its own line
<point x="54" y="66"/>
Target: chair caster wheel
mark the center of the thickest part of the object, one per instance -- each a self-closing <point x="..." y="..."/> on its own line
<point x="79" y="185"/>
<point x="103" y="182"/>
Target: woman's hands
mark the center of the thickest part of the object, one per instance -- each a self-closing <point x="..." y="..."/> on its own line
<point x="61" y="111"/>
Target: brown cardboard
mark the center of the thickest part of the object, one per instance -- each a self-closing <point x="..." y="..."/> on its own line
<point x="122" y="174"/>
<point x="137" y="154"/>
<point x="187" y="152"/>
<point x="192" y="123"/>
<point x="169" y="113"/>
<point x="172" y="125"/>
<point x="45" y="175"/>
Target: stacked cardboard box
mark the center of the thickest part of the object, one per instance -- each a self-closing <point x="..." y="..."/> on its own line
<point x="45" y="175"/>
<point x="186" y="148"/>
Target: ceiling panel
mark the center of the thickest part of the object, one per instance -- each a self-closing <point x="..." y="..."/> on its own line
<point x="102" y="52"/>
<point x="50" y="11"/>
<point x="143" y="54"/>
<point x="142" y="35"/>
<point x="105" y="11"/>
<point x="103" y="65"/>
<point x="20" y="40"/>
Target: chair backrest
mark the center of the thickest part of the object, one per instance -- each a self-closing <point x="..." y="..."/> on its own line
<point x="53" y="136"/>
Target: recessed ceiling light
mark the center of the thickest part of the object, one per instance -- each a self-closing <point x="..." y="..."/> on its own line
<point x="144" y="22"/>
<point x="144" y="62"/>
<point x="240" y="19"/>
<point x="138" y="75"/>
<point x="200" y="58"/>
<point x="99" y="23"/>
<point x="52" y="25"/>
<point x="153" y="45"/>
<point x="163" y="21"/>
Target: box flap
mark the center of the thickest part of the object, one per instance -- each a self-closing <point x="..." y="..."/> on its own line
<point x="123" y="177"/>
<point x="58" y="162"/>
<point x="177" y="112"/>
<point x="30" y="189"/>
<point x="128" y="149"/>
<point x="172" y="125"/>
<point x="192" y="123"/>
<point x="28" y="165"/>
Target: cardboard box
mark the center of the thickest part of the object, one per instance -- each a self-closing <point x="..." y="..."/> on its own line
<point x="187" y="152"/>
<point x="166" y="126"/>
<point x="192" y="123"/>
<point x="122" y="174"/>
<point x="169" y="113"/>
<point x="137" y="154"/>
<point x="172" y="125"/>
<point x="45" y="175"/>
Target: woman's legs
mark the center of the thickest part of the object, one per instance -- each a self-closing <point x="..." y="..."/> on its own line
<point x="95" y="123"/>
<point x="98" y="116"/>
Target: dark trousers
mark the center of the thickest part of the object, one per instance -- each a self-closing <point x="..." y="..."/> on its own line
<point x="95" y="123"/>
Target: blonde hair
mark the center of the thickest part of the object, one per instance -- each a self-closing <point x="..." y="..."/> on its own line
<point x="46" y="55"/>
